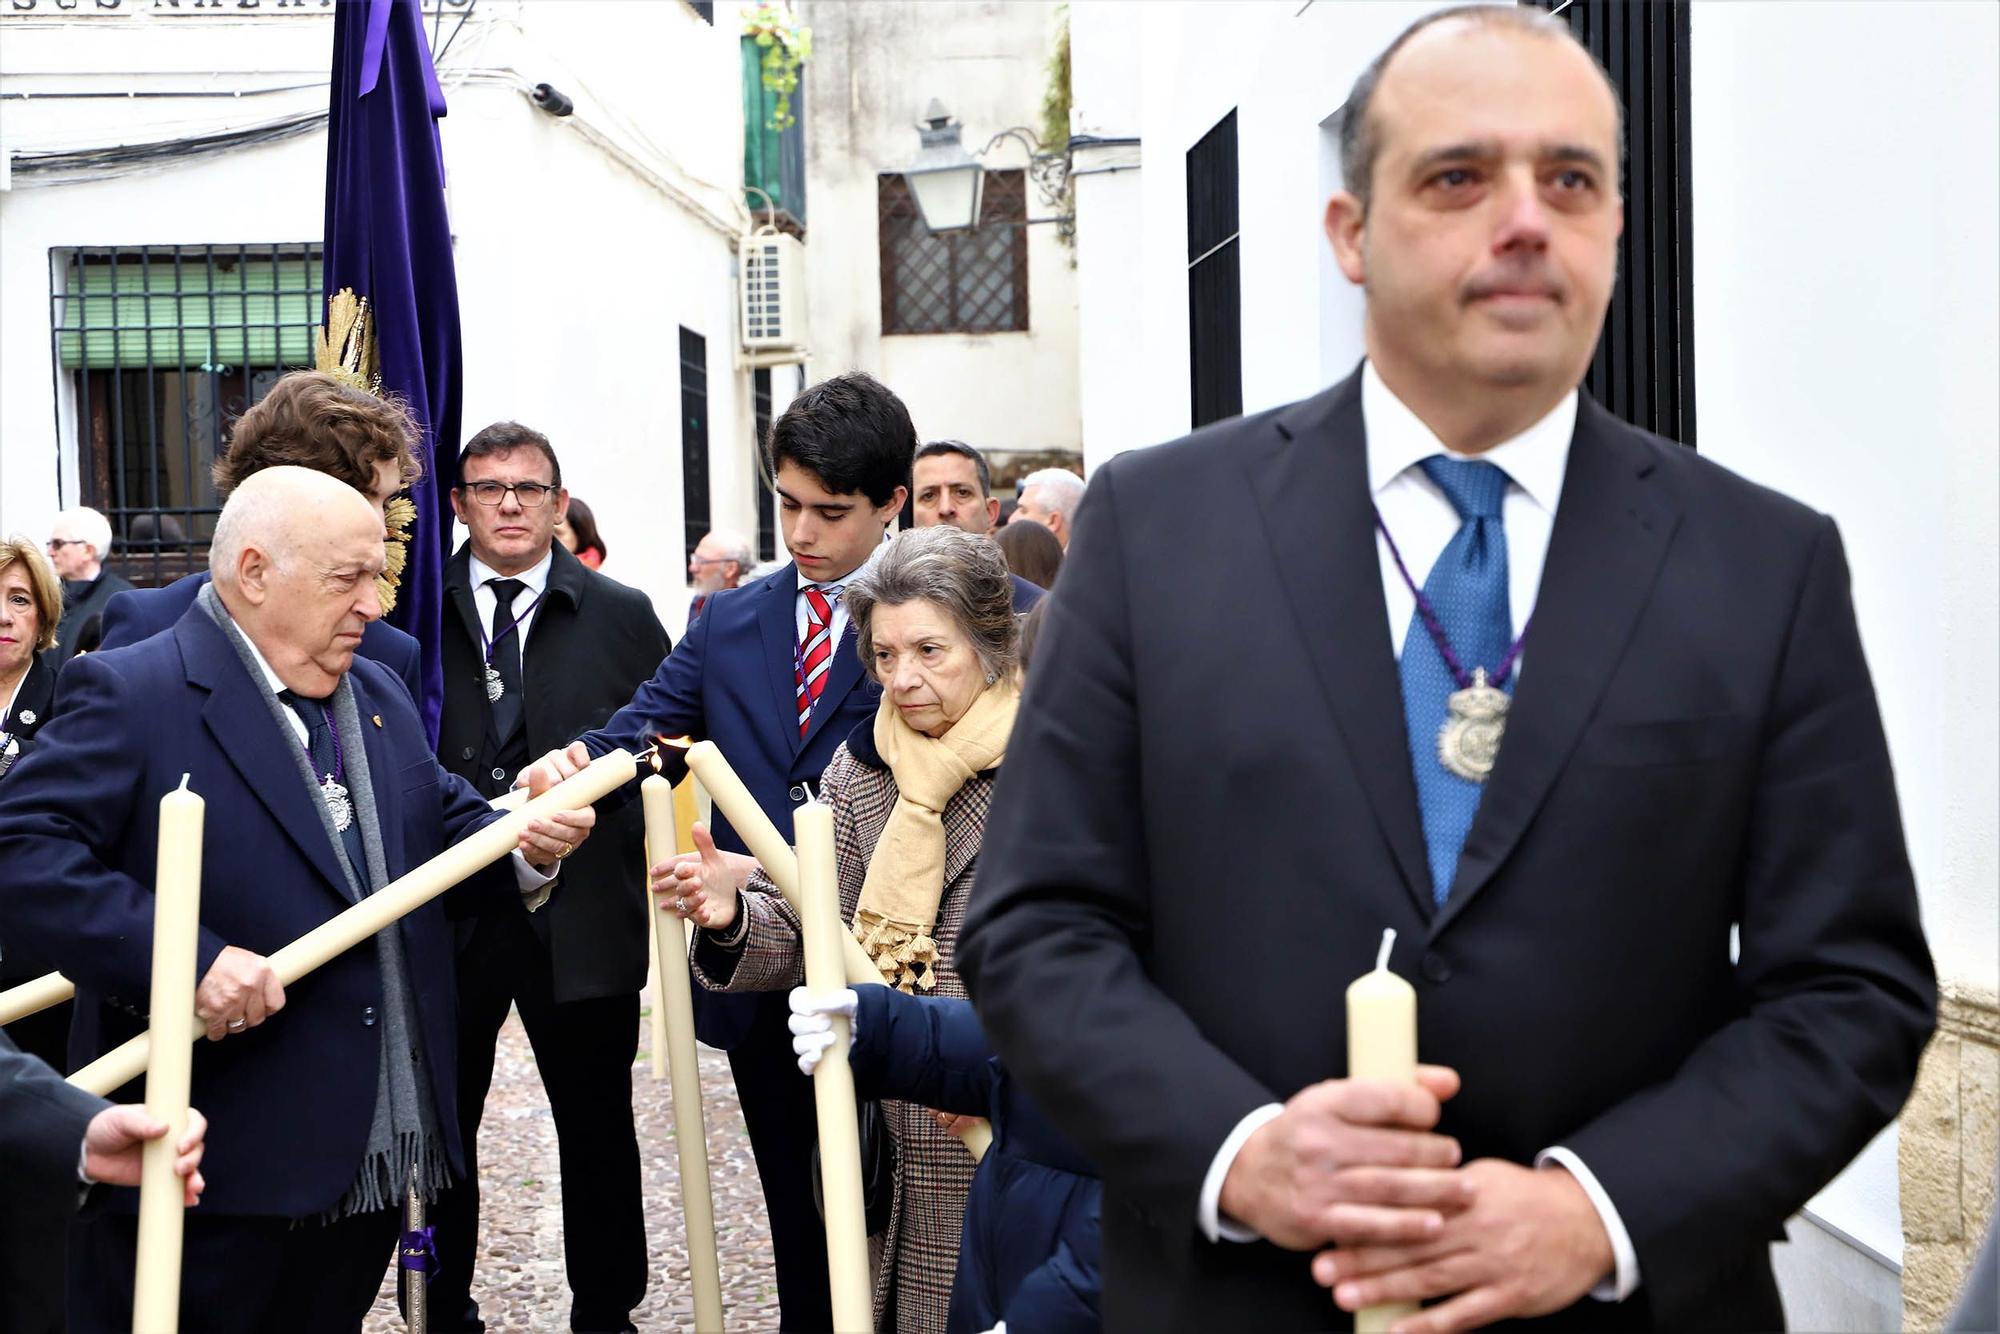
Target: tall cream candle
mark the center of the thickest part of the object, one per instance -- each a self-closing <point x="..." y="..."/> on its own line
<point x="156" y="1301"/>
<point x="833" y="1081"/>
<point x="34" y="996"/>
<point x="1382" y="1045"/>
<point x="768" y="846"/>
<point x="348" y="928"/>
<point x="675" y="1000"/>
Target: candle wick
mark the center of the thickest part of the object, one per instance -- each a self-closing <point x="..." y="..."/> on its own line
<point x="1388" y="943"/>
<point x="184" y="782"/>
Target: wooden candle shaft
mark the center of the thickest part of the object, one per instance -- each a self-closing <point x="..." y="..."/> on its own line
<point x="34" y="996"/>
<point x="156" y="1302"/>
<point x="394" y="900"/>
<point x="676" y="1001"/>
<point x="833" y="1081"/>
<point x="768" y="846"/>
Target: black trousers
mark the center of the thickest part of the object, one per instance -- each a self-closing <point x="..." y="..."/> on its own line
<point x="34" y="1224"/>
<point x="239" y="1275"/>
<point x="584" y="1050"/>
<point x="778" y="1111"/>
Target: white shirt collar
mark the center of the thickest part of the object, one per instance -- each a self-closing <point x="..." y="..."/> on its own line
<point x="1535" y="460"/>
<point x="535" y="577"/>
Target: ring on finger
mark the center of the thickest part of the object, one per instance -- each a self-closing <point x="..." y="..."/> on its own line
<point x="235" y="1024"/>
<point x="681" y="906"/>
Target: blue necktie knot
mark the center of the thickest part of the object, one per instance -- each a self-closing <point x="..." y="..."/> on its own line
<point x="1474" y="488"/>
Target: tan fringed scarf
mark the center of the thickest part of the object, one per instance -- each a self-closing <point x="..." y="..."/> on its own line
<point x="905" y="880"/>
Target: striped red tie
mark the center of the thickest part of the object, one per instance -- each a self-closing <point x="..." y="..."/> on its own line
<point x="815" y="653"/>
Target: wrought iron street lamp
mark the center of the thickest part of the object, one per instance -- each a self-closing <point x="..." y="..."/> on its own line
<point x="947" y="181"/>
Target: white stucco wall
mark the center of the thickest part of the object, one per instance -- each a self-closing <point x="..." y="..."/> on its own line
<point x="876" y="65"/>
<point x="1847" y="331"/>
<point x="582" y="245"/>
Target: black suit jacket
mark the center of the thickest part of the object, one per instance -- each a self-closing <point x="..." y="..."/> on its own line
<point x="92" y="603"/>
<point x="1694" y="746"/>
<point x="592" y="642"/>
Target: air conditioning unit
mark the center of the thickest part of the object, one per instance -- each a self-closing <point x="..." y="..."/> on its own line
<point x="773" y="300"/>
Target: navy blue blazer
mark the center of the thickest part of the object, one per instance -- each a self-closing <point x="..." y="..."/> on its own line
<point x="731" y="681"/>
<point x="288" y="1103"/>
<point x="139" y="613"/>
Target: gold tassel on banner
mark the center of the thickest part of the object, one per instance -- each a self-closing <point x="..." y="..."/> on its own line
<point x="344" y="347"/>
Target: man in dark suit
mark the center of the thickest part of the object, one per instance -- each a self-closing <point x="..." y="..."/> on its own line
<point x="566" y="647"/>
<point x="950" y="483"/>
<point x="770" y="674"/>
<point x="308" y="420"/>
<point x="1666" y="945"/>
<point x="79" y="544"/>
<point x="330" y="1099"/>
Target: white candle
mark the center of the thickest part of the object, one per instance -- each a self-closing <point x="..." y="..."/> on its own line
<point x="768" y="846"/>
<point x="156" y="1298"/>
<point x="34" y="996"/>
<point x="1382" y="1045"/>
<point x="833" y="1081"/>
<point x="348" y="928"/>
<point x="675" y="1002"/>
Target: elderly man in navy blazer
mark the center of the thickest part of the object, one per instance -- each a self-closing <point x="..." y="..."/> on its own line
<point x="329" y="1098"/>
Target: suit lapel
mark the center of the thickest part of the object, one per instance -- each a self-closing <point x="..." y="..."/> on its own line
<point x="1310" y="476"/>
<point x="777" y="621"/>
<point x="382" y="773"/>
<point x="255" y="743"/>
<point x="1611" y="532"/>
<point x="842" y="675"/>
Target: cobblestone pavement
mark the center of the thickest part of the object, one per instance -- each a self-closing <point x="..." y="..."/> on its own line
<point x="520" y="1283"/>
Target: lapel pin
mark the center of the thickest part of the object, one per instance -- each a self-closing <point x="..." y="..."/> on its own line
<point x="27" y="717"/>
<point x="378" y="719"/>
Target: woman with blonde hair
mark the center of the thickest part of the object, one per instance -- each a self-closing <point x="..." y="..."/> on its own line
<point x="910" y="791"/>
<point x="30" y="610"/>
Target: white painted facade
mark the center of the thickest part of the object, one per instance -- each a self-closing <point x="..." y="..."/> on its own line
<point x="876" y="65"/>
<point x="582" y="244"/>
<point x="1846" y="186"/>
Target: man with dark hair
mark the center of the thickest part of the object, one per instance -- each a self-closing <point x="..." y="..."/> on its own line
<point x="769" y="673"/>
<point x="537" y="649"/>
<point x="951" y="484"/>
<point x="308" y="420"/>
<point x="1581" y="716"/>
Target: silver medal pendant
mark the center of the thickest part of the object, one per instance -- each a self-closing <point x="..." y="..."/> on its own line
<point x="1469" y="741"/>
<point x="495" y="687"/>
<point x="338" y="804"/>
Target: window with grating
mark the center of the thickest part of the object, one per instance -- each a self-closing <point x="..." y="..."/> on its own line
<point x="1215" y="284"/>
<point x="767" y="500"/>
<point x="972" y="281"/>
<point x="694" y="436"/>
<point x="160" y="349"/>
<point x="1644" y="367"/>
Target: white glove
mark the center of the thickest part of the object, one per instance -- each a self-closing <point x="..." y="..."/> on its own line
<point x="811" y="1022"/>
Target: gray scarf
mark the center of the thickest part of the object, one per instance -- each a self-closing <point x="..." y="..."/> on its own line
<point x="404" y="1131"/>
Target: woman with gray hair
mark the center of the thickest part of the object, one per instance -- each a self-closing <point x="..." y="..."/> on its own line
<point x="910" y="791"/>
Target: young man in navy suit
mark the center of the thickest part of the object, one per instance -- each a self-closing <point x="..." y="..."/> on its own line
<point x="770" y="674"/>
<point x="308" y="420"/>
<point x="329" y="1098"/>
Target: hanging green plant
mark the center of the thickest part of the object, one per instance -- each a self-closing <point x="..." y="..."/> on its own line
<point x="786" y="45"/>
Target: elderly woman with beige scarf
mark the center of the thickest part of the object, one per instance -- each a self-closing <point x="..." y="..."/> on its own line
<point x="910" y="791"/>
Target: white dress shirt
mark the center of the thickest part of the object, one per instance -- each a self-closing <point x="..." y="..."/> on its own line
<point x="526" y="877"/>
<point x="536" y="581"/>
<point x="1423" y="521"/>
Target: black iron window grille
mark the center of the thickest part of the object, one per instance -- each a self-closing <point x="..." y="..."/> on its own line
<point x="1215" y="280"/>
<point x="973" y="281"/>
<point x="1644" y="366"/>
<point x="694" y="436"/>
<point x="767" y="499"/>
<point x="158" y="349"/>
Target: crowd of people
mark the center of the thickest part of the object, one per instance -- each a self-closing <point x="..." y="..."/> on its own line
<point x="1115" y="842"/>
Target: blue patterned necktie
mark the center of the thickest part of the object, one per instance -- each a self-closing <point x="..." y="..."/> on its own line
<point x="1468" y="589"/>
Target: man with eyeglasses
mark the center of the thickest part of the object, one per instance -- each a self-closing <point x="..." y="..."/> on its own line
<point x="538" y="649"/>
<point x="718" y="562"/>
<point x="79" y="544"/>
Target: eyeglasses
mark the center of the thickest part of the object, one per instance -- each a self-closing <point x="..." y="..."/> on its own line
<point x="529" y="495"/>
<point x="58" y="543"/>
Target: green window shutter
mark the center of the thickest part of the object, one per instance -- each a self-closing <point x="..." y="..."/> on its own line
<point x="237" y="312"/>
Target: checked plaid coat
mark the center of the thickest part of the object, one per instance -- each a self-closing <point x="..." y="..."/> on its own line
<point x="933" y="1170"/>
